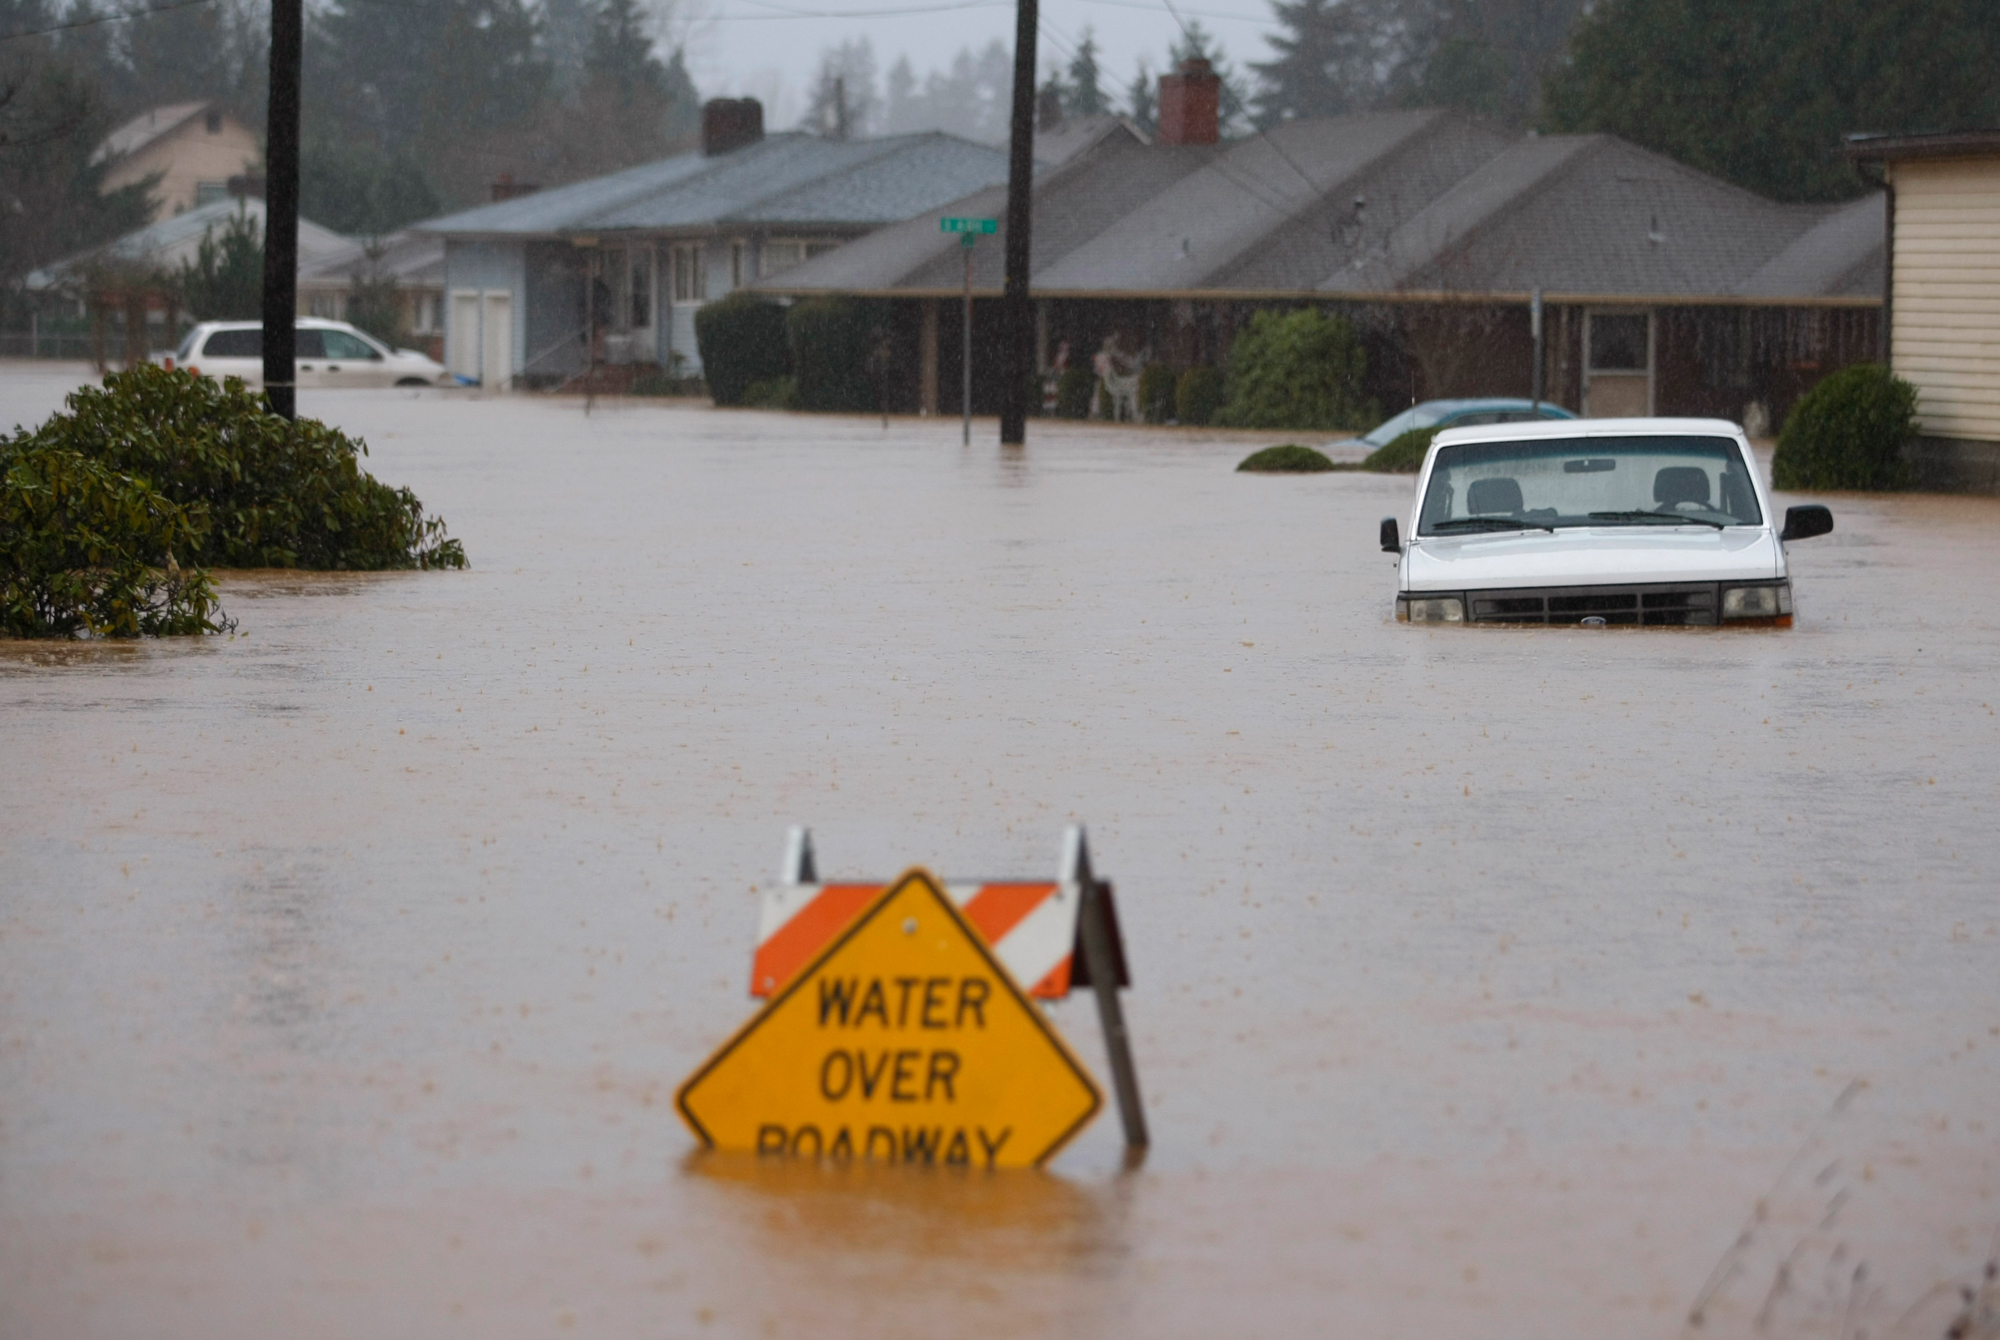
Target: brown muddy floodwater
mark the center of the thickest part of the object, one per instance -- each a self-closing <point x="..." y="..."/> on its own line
<point x="1486" y="981"/>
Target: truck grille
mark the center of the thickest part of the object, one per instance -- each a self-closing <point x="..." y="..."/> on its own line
<point x="1679" y="604"/>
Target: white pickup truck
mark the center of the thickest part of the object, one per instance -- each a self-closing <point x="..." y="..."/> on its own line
<point x="1594" y="522"/>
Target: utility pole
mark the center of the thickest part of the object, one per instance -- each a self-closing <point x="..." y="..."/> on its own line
<point x="1017" y="360"/>
<point x="281" y="208"/>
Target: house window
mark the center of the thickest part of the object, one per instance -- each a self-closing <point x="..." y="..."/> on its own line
<point x="208" y="192"/>
<point x="324" y="305"/>
<point x="427" y="313"/>
<point x="640" y="285"/>
<point x="782" y="253"/>
<point x="690" y="281"/>
<point x="213" y="122"/>
<point x="736" y="275"/>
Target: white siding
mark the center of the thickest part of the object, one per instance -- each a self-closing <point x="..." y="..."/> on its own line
<point x="1945" y="319"/>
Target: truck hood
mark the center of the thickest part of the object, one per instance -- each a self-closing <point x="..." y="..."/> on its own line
<point x="1591" y="555"/>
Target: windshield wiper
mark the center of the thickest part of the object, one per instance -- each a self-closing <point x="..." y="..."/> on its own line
<point x="1490" y="523"/>
<point x="1650" y="518"/>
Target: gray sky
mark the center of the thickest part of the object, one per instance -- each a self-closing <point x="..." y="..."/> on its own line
<point x="770" y="49"/>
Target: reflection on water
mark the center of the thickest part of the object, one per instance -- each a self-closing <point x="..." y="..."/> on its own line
<point x="1021" y="1220"/>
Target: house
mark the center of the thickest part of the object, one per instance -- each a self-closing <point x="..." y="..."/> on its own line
<point x="540" y="285"/>
<point x="194" y="148"/>
<point x="1943" y="296"/>
<point x="1663" y="290"/>
<point x="131" y="280"/>
<point x="413" y="261"/>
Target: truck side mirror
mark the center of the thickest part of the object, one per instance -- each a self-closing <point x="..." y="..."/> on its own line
<point x="1392" y="541"/>
<point x="1802" y="523"/>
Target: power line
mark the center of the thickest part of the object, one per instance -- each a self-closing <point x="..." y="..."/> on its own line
<point x="784" y="13"/>
<point x="92" y="22"/>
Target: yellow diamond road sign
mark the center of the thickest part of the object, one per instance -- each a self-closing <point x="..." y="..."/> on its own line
<point x="905" y="1041"/>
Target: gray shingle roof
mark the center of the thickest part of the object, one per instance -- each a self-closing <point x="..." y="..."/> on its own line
<point x="1451" y="206"/>
<point x="164" y="245"/>
<point x="1844" y="253"/>
<point x="789" y="179"/>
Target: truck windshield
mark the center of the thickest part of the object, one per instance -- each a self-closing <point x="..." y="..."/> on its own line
<point x="1589" y="481"/>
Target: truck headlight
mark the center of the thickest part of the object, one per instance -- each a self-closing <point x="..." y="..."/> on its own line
<point x="1770" y="601"/>
<point x="1430" y="609"/>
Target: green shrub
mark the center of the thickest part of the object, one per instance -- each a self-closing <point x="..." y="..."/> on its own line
<point x="85" y="549"/>
<point x="276" y="493"/>
<point x="770" y="393"/>
<point x="1403" y="454"/>
<point x="741" y="340"/>
<point x="1848" y="433"/>
<point x="1198" y="395"/>
<point x="660" y="382"/>
<point x="1288" y="459"/>
<point x="1074" y="392"/>
<point x="1156" y="393"/>
<point x="1299" y="369"/>
<point x="831" y="341"/>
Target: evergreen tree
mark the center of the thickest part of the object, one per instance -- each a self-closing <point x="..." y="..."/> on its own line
<point x="53" y="114"/>
<point x="973" y="99"/>
<point x="225" y="280"/>
<point x="1085" y="95"/>
<point x="844" y="101"/>
<point x="1141" y="100"/>
<point x="1197" y="44"/>
<point x="359" y="187"/>
<point x="1323" y="63"/>
<point x="1762" y="91"/>
<point x="451" y="83"/>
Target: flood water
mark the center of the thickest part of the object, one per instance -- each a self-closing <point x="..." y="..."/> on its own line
<point x="1486" y="982"/>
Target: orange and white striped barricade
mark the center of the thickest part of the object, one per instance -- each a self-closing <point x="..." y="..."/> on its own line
<point x="1051" y="935"/>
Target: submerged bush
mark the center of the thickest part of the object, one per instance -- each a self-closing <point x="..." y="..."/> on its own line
<point x="1074" y="390"/>
<point x="1403" y="454"/>
<point x="1848" y="433"/>
<point x="835" y="343"/>
<point x="1156" y="392"/>
<point x="276" y="493"/>
<point x="742" y="342"/>
<point x="770" y="393"/>
<point x="1198" y="395"/>
<point x="1299" y="369"/>
<point x="1288" y="459"/>
<point x="87" y="550"/>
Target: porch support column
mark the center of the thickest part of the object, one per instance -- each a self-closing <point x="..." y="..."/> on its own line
<point x="927" y="375"/>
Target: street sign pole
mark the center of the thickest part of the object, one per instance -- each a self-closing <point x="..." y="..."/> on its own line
<point x="969" y="232"/>
<point x="1535" y="321"/>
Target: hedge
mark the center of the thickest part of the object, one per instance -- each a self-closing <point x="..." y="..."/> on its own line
<point x="1848" y="433"/>
<point x="741" y="340"/>
<point x="1300" y="369"/>
<point x="1403" y="454"/>
<point x="832" y="341"/>
<point x="1198" y="395"/>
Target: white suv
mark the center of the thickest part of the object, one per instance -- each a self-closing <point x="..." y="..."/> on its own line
<point x="1596" y="521"/>
<point x="328" y="353"/>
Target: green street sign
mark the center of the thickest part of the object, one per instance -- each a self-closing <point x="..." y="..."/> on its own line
<point x="968" y="225"/>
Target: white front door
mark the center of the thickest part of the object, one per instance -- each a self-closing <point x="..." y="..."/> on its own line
<point x="496" y="341"/>
<point x="463" y="335"/>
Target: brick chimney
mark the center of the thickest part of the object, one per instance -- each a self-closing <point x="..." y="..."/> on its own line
<point x="504" y="187"/>
<point x="1190" y="104"/>
<point x="728" y="124"/>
